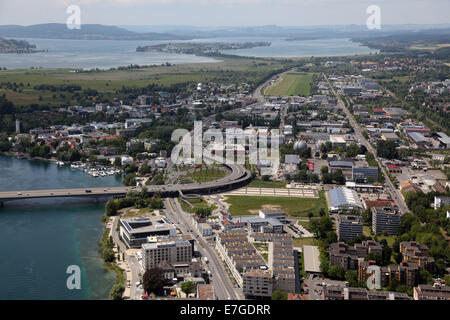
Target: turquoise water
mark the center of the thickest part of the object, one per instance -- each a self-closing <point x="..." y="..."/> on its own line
<point x="41" y="238"/>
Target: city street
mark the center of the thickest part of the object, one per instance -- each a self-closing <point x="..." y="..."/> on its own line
<point x="395" y="194"/>
<point x="222" y="284"/>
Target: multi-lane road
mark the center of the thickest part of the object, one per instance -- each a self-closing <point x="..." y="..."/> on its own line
<point x="238" y="177"/>
<point x="223" y="287"/>
<point x="395" y="194"/>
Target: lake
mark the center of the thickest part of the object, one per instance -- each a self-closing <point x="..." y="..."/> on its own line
<point x="41" y="238"/>
<point x="105" y="54"/>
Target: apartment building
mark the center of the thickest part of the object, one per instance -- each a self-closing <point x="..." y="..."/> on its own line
<point x="348" y="256"/>
<point x="238" y="254"/>
<point x="385" y="220"/>
<point x="417" y="253"/>
<point x="343" y="293"/>
<point x="170" y="251"/>
<point x="348" y="227"/>
<point x="257" y="284"/>
<point x="281" y="261"/>
<point x="405" y="273"/>
<point x="431" y="292"/>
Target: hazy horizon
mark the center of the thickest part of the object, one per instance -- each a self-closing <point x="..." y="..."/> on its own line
<point x="226" y="13"/>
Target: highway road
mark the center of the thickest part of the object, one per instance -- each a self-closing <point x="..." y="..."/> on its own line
<point x="395" y="194"/>
<point x="223" y="287"/>
<point x="238" y="177"/>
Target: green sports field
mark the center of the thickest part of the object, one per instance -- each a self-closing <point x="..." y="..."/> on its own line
<point x="294" y="207"/>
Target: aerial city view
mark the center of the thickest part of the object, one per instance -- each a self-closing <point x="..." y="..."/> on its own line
<point x="251" y="151"/>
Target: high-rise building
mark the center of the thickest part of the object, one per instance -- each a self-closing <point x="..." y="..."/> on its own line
<point x="385" y="220"/>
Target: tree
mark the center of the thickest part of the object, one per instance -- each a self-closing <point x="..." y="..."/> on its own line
<point x="188" y="287"/>
<point x="324" y="170"/>
<point x="279" y="295"/>
<point x="338" y="177"/>
<point x="425" y="277"/>
<point x="144" y="169"/>
<point x="336" y="272"/>
<point x="153" y="281"/>
<point x="351" y="276"/>
<point x="386" y="149"/>
<point x="116" y="292"/>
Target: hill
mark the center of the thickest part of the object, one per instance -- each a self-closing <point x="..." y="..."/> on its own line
<point x="86" y="32"/>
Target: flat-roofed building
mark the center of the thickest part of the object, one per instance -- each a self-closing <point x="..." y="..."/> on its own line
<point x="238" y="254"/>
<point x="348" y="227"/>
<point x="135" y="231"/>
<point x="441" y="201"/>
<point x="257" y="284"/>
<point x="431" y="292"/>
<point x="363" y="173"/>
<point x="278" y="214"/>
<point x="385" y="220"/>
<point x="170" y="251"/>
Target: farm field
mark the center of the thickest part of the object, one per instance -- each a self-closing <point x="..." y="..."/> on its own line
<point x="292" y="84"/>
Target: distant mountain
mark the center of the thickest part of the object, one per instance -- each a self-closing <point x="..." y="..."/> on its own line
<point x="289" y="32"/>
<point x="86" y="32"/>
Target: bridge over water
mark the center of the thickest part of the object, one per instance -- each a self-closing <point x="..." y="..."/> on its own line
<point x="238" y="177"/>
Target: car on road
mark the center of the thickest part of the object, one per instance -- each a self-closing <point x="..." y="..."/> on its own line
<point x="88" y="191"/>
<point x="19" y="193"/>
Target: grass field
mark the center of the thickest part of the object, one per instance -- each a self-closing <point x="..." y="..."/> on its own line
<point x="294" y="207"/>
<point x="207" y="174"/>
<point x="229" y="69"/>
<point x="196" y="204"/>
<point x="298" y="242"/>
<point x="292" y="84"/>
<point x="266" y="184"/>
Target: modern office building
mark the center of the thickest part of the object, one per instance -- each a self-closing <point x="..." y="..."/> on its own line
<point x="134" y="231"/>
<point x="348" y="227"/>
<point x="274" y="214"/>
<point x="361" y="174"/>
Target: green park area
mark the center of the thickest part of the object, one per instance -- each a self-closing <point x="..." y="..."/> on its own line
<point x="292" y="84"/>
<point x="294" y="207"/>
<point x="199" y="203"/>
<point x="207" y="174"/>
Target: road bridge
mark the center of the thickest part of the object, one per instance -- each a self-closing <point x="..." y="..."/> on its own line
<point x="238" y="177"/>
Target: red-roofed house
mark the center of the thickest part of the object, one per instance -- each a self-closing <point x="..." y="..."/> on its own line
<point x="393" y="168"/>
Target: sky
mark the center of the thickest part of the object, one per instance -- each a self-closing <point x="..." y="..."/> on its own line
<point x="225" y="12"/>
